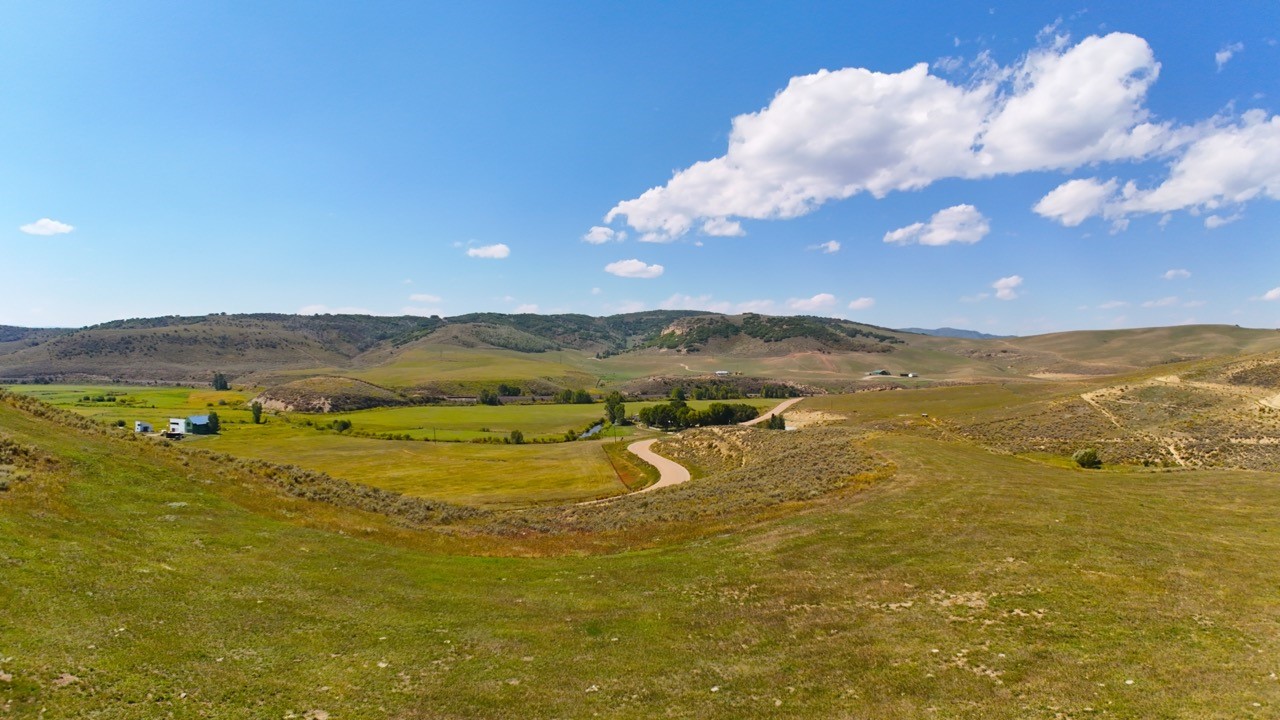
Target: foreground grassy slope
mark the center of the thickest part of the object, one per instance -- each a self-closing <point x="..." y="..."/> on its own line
<point x="972" y="586"/>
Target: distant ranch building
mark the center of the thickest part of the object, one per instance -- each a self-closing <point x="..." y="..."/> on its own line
<point x="180" y="426"/>
<point x="142" y="427"/>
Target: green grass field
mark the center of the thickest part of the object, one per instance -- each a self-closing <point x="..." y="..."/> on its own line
<point x="970" y="585"/>
<point x="491" y="475"/>
<point x="469" y="473"/>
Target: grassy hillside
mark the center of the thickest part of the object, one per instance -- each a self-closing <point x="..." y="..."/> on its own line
<point x="137" y="583"/>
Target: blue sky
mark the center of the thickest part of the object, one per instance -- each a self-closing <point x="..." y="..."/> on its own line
<point x="1008" y="167"/>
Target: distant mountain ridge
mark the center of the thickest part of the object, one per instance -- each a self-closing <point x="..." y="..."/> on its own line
<point x="950" y="332"/>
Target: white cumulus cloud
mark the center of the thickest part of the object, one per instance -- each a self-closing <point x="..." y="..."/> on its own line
<point x="1272" y="294"/>
<point x="492" y="252"/>
<point x="817" y="302"/>
<point x="599" y="235"/>
<point x="958" y="224"/>
<point x="834" y="134"/>
<point x="633" y="269"/>
<point x="862" y="303"/>
<point x="46" y="226"/>
<point x="1223" y="56"/>
<point x="1006" y="287"/>
<point x="1176" y="274"/>
<point x="1075" y="201"/>
<point x="828" y="247"/>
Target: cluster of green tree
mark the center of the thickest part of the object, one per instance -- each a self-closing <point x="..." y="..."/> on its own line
<point x="773" y="329"/>
<point x="488" y="397"/>
<point x="506" y="390"/>
<point x="676" y="415"/>
<point x="510" y="338"/>
<point x="715" y="392"/>
<point x="775" y="422"/>
<point x="697" y="333"/>
<point x="220" y="382"/>
<point x="573" y="397"/>
<point x="109" y="397"/>
<point x="856" y="332"/>
<point x="778" y="391"/>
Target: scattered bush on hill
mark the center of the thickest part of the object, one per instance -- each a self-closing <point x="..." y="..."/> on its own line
<point x="1087" y="458"/>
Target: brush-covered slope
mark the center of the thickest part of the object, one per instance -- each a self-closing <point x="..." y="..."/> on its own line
<point x="327" y="393"/>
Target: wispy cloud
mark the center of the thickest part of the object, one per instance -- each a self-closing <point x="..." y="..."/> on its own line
<point x="1006" y="287"/>
<point x="491" y="252"/>
<point x="1223" y="56"/>
<point x="1272" y="294"/>
<point x="527" y="308"/>
<point x="46" y="226"/>
<point x="862" y="303"/>
<point x="633" y="269"/>
<point x="1161" y="302"/>
<point x="821" y="301"/>
<point x="828" y="247"/>
<point x="321" y="309"/>
<point x="425" y="298"/>
<point x="1176" y="274"/>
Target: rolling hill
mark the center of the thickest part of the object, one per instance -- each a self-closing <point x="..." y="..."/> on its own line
<point x="543" y="353"/>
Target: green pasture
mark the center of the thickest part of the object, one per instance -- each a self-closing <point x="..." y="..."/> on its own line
<point x="460" y="472"/>
<point x="970" y="586"/>
<point x="464" y="422"/>
<point x="151" y="404"/>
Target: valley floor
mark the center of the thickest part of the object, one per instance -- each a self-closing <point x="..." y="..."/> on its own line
<point x="970" y="585"/>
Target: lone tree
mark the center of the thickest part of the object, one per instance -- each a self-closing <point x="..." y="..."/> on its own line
<point x="516" y="437"/>
<point x="1087" y="458"/>
<point x="488" y="397"/>
<point x="256" y="409"/>
<point x="214" y="423"/>
<point x="220" y="382"/>
<point x="615" y="411"/>
<point x="776" y="422"/>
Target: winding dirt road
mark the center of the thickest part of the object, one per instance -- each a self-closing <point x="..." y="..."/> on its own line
<point x="670" y="472"/>
<point x="776" y="409"/>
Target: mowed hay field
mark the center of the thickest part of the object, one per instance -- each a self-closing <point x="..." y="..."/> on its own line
<point x="968" y="586"/>
<point x="469" y="473"/>
<point x="491" y="475"/>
